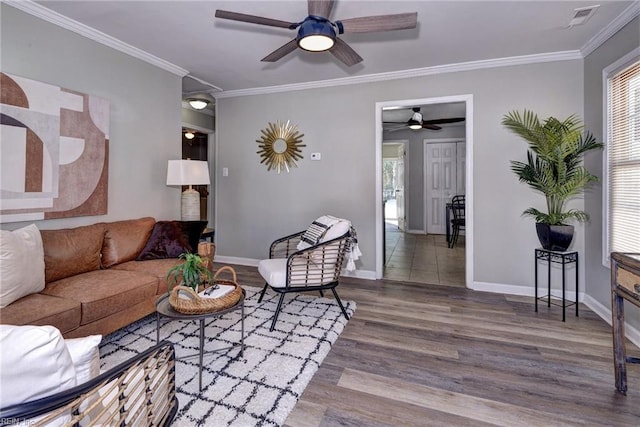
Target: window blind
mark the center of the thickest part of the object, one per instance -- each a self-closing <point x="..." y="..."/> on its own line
<point x="623" y="116"/>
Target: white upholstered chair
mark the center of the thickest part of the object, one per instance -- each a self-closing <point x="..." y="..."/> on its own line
<point x="49" y="381"/>
<point x="309" y="260"/>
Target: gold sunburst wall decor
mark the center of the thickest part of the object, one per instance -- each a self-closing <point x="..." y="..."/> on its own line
<point x="280" y="146"/>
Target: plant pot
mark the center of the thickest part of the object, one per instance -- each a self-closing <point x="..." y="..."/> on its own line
<point x="554" y="237"/>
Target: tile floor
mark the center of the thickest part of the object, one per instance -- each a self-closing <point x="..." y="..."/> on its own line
<point x="423" y="258"/>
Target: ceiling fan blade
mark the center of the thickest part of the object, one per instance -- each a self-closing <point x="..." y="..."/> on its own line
<point x="443" y="121"/>
<point x="344" y="53"/>
<point x="368" y="24"/>
<point x="252" y="19"/>
<point x="320" y="7"/>
<point x="430" y="127"/>
<point x="282" y="51"/>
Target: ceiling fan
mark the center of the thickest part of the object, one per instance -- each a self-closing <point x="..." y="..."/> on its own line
<point x="417" y="121"/>
<point x="316" y="33"/>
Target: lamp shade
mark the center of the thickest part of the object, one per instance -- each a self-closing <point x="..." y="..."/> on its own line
<point x="188" y="172"/>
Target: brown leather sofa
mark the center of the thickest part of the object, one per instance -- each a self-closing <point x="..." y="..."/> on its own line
<point x="94" y="285"/>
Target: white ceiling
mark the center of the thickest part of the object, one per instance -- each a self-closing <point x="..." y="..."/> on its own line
<point x="227" y="54"/>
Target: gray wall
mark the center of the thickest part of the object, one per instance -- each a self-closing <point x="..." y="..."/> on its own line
<point x="145" y="126"/>
<point x="201" y="121"/>
<point x="256" y="206"/>
<point x="598" y="279"/>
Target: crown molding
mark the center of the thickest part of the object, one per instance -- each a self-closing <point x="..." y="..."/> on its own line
<point x="614" y="26"/>
<point x="35" y="9"/>
<point x="405" y="74"/>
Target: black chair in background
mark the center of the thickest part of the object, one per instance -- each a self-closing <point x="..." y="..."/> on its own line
<point x="457" y="222"/>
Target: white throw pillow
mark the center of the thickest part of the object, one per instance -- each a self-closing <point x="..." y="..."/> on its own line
<point x="85" y="356"/>
<point x="21" y="264"/>
<point x="340" y="227"/>
<point x="34" y="363"/>
<point x="317" y="231"/>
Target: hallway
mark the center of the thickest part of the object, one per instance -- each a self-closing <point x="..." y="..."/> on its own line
<point x="423" y="258"/>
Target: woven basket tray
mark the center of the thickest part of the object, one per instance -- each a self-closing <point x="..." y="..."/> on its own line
<point x="195" y="304"/>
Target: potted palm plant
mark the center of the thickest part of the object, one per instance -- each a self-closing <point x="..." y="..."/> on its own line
<point x="553" y="168"/>
<point x="192" y="272"/>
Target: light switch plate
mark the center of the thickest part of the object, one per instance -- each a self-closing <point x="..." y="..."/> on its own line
<point x="316" y="156"/>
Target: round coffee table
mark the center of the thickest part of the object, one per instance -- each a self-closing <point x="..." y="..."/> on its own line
<point x="164" y="309"/>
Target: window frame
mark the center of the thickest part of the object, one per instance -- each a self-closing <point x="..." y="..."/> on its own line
<point x="607" y="74"/>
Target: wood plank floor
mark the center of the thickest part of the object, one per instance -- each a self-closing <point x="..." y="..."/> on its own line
<point x="432" y="355"/>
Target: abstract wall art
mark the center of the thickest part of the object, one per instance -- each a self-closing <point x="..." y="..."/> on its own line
<point x="54" y="151"/>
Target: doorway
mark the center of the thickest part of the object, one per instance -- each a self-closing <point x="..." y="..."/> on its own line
<point x="195" y="146"/>
<point x="394" y="184"/>
<point x="467" y="100"/>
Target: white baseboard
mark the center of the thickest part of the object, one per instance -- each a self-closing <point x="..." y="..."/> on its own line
<point x="499" y="288"/>
<point x="236" y="260"/>
<point x="528" y="291"/>
<point x="413" y="231"/>
<point x="360" y="274"/>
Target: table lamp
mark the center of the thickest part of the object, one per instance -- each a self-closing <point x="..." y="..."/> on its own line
<point x="188" y="172"/>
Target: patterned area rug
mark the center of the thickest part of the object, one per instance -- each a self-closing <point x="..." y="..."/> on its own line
<point x="259" y="389"/>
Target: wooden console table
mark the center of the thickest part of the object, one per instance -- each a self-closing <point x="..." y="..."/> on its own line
<point x="625" y="285"/>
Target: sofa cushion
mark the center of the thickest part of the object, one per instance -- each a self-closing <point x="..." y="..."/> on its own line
<point x="40" y="309"/>
<point x="71" y="251"/>
<point x="168" y="240"/>
<point x="104" y="292"/>
<point x="156" y="267"/>
<point x="124" y="240"/>
<point x="21" y="264"/>
<point x="35" y="363"/>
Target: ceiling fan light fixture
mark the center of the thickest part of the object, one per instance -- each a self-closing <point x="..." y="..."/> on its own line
<point x="316" y="34"/>
<point x="415" y="125"/>
<point x="415" y="122"/>
<point x="198" y="104"/>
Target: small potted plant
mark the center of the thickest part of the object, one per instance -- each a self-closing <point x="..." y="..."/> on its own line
<point x="553" y="168"/>
<point x="192" y="272"/>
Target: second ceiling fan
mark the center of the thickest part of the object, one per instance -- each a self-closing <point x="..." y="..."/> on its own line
<point x="417" y="122"/>
<point x="316" y="33"/>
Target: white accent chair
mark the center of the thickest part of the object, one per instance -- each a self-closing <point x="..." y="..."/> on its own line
<point x="138" y="392"/>
<point x="314" y="268"/>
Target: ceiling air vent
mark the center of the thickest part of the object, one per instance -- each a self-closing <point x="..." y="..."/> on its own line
<point x="582" y="15"/>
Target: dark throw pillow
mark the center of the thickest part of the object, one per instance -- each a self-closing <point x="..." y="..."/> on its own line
<point x="168" y="240"/>
<point x="194" y="230"/>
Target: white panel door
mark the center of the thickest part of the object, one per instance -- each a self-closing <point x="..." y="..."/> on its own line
<point x="440" y="183"/>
